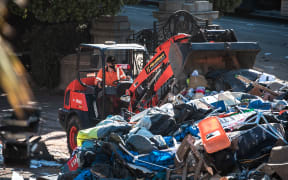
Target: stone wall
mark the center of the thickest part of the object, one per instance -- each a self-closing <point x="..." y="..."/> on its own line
<point x="111" y="28"/>
<point x="68" y="68"/>
<point x="201" y="9"/>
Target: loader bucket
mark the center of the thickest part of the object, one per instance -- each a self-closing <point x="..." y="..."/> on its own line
<point x="205" y="57"/>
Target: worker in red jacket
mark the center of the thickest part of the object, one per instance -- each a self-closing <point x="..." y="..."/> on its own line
<point x="112" y="73"/>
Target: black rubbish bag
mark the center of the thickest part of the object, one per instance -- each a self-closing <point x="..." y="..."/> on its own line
<point x="184" y="112"/>
<point x="255" y="144"/>
<point x="140" y="144"/>
<point x="223" y="161"/>
<point x="162" y="124"/>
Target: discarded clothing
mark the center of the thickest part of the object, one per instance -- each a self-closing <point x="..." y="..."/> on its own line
<point x="140" y="144"/>
<point x="151" y="160"/>
<point x="259" y="104"/>
<point x="193" y="130"/>
<point x="102" y="130"/>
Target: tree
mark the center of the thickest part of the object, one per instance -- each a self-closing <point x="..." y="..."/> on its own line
<point x="59" y="11"/>
<point x="57" y="29"/>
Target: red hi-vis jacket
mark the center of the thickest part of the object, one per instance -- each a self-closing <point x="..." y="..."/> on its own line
<point x="110" y="77"/>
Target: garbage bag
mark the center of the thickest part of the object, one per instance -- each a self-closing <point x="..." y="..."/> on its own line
<point x="254" y="143"/>
<point x="162" y="124"/>
<point x="86" y="158"/>
<point x="184" y="112"/>
<point x="164" y="109"/>
<point x="223" y="161"/>
<point x="228" y="98"/>
<point x="102" y="130"/>
<point x="151" y="160"/>
<point x="159" y="142"/>
<point x="167" y="108"/>
<point x="90" y="153"/>
<point x="144" y="122"/>
<point x="140" y="131"/>
<point x="193" y="130"/>
<point x="250" y="139"/>
<point x="140" y="144"/>
<point x="259" y="104"/>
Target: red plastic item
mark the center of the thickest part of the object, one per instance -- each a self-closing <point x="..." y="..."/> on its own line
<point x="213" y="135"/>
<point x="124" y="66"/>
<point x="73" y="163"/>
<point x="281" y="112"/>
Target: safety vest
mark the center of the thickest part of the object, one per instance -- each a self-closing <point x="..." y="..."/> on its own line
<point x="110" y="77"/>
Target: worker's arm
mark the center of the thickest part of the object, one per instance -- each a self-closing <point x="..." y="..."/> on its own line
<point x="122" y="74"/>
<point x="98" y="79"/>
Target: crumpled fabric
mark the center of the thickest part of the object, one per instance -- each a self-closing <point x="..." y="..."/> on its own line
<point x="193" y="130"/>
<point x="85" y="175"/>
<point x="184" y="112"/>
<point x="144" y="122"/>
<point x="140" y="131"/>
<point x="160" y="121"/>
<point x="164" y="109"/>
<point x="103" y="129"/>
<point x="162" y="158"/>
<point x="140" y="144"/>
<point x="259" y="104"/>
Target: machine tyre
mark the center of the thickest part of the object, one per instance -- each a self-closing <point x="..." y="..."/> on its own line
<point x="72" y="131"/>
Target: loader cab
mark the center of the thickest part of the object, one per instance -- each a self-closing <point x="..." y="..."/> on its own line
<point x="85" y="104"/>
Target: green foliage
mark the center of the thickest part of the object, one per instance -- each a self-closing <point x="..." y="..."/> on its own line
<point x="58" y="11"/>
<point x="225" y="6"/>
<point x="57" y="31"/>
<point x="50" y="43"/>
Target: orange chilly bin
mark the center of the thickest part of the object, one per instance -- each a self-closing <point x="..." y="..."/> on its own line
<point x="213" y="135"/>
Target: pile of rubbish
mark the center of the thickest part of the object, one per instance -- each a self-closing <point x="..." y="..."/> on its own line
<point x="239" y="133"/>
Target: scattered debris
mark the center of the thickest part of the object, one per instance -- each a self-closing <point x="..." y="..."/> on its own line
<point x="220" y="134"/>
<point x="17" y="176"/>
<point x="41" y="163"/>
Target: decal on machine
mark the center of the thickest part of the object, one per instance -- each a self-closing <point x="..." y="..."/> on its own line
<point x="79" y="101"/>
<point x="155" y="63"/>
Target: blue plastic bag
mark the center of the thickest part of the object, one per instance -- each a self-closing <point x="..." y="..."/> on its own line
<point x="259" y="104"/>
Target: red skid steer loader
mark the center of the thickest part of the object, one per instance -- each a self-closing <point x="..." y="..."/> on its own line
<point x="179" y="56"/>
<point x="173" y="61"/>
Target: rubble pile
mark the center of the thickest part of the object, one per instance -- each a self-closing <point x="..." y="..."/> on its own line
<point x="236" y="131"/>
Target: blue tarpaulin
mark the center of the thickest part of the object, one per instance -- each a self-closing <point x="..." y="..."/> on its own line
<point x="162" y="158"/>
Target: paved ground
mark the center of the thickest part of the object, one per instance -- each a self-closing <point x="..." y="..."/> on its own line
<point x="51" y="132"/>
<point x="272" y="36"/>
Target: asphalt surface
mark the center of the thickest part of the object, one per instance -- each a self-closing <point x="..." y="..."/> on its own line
<point x="272" y="37"/>
<point x="53" y="137"/>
